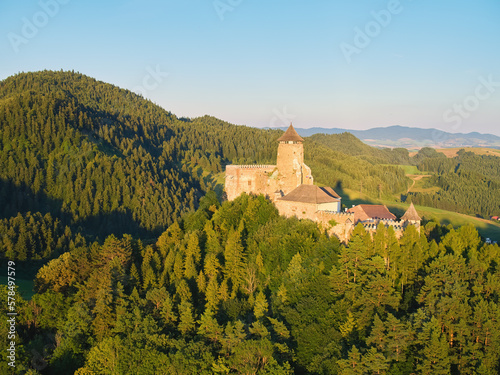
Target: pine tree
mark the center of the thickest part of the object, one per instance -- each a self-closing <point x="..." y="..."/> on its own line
<point x="354" y="364"/>
<point x="375" y="362"/>
<point x="234" y="266"/>
<point x="186" y="320"/>
<point x="209" y="328"/>
<point x="433" y="358"/>
<point x="261" y="306"/>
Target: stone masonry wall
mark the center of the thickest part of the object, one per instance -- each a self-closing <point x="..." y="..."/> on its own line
<point x="298" y="209"/>
<point x="255" y="179"/>
<point x="344" y="223"/>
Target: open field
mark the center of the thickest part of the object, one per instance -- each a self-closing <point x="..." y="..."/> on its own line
<point x="419" y="184"/>
<point x="452" y="152"/>
<point x="411" y="170"/>
<point x="486" y="228"/>
<point x="419" y="179"/>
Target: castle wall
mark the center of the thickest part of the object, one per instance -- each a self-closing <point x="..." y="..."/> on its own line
<point x="299" y="209"/>
<point x="256" y="179"/>
<point x="343" y="223"/>
<point x="339" y="224"/>
<point x="371" y="226"/>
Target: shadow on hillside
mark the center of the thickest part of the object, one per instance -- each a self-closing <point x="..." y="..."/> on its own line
<point x="212" y="184"/>
<point x="119" y="121"/>
<point x="396" y="210"/>
<point x="21" y="198"/>
<point x="15" y="199"/>
<point x="347" y="201"/>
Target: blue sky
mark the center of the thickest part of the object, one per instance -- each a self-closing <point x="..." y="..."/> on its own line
<point x="350" y="64"/>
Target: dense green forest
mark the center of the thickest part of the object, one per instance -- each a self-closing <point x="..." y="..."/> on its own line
<point x="350" y="145"/>
<point x="468" y="183"/>
<point x="238" y="289"/>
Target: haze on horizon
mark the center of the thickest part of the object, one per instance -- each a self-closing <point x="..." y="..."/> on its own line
<point x="354" y="65"/>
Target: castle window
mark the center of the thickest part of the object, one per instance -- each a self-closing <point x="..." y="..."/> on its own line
<point x="249" y="183"/>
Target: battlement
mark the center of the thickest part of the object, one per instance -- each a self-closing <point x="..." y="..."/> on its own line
<point x="250" y="166"/>
<point x="341" y="214"/>
<point x="377" y="220"/>
<point x="372" y="224"/>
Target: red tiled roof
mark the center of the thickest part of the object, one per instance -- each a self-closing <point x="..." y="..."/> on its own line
<point x="371" y="211"/>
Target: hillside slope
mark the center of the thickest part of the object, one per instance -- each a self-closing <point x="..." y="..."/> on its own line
<point x="102" y="160"/>
<point x="350" y="145"/>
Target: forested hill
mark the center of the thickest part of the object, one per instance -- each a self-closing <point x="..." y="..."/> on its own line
<point x="94" y="155"/>
<point x="99" y="160"/>
<point x="350" y="145"/>
<point x="196" y="286"/>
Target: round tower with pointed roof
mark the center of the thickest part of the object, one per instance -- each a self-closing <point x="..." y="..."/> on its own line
<point x="411" y="217"/>
<point x="290" y="161"/>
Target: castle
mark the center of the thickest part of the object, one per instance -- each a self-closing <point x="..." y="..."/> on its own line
<point x="289" y="185"/>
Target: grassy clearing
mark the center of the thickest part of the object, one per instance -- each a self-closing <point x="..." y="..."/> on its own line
<point x="486" y="228"/>
<point x="410" y="169"/>
<point x="419" y="179"/>
<point x="421" y="186"/>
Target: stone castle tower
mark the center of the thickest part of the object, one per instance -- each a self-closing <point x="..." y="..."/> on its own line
<point x="274" y="181"/>
<point x="290" y="162"/>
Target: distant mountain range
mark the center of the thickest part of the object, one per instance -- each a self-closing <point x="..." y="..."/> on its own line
<point x="411" y="138"/>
